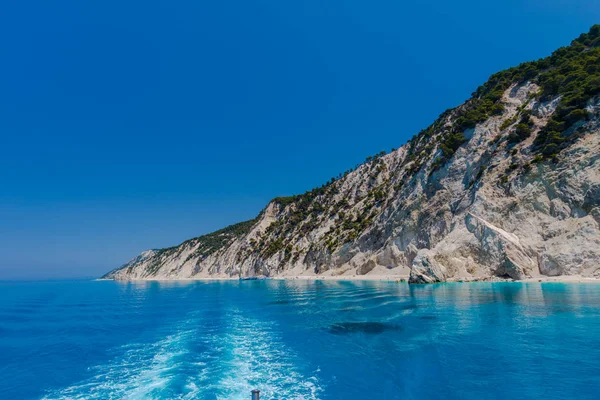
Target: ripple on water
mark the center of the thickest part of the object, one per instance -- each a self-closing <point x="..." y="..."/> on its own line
<point x="279" y="302"/>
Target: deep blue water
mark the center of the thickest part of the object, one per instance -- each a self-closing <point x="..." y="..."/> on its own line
<point x="299" y="340"/>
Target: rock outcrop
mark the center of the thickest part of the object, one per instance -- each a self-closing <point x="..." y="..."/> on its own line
<point x="506" y="185"/>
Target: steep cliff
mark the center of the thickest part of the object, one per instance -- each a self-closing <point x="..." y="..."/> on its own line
<point x="505" y="185"/>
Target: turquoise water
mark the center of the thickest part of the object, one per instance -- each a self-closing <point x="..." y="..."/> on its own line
<point x="299" y="340"/>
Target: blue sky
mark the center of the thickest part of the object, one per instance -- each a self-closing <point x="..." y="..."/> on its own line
<point x="139" y="124"/>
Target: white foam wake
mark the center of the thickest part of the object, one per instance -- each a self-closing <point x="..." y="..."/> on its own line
<point x="253" y="357"/>
<point x="140" y="373"/>
<point x="198" y="363"/>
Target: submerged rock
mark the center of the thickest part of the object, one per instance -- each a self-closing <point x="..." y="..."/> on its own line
<point x="370" y="328"/>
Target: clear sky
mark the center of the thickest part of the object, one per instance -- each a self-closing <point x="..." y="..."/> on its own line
<point x="129" y="125"/>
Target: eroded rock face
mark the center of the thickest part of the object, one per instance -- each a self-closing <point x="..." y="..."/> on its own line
<point x="425" y="269"/>
<point x="366" y="267"/>
<point x="491" y="210"/>
<point x="500" y="250"/>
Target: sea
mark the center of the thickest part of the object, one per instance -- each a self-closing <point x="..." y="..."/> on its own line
<point x="299" y="339"/>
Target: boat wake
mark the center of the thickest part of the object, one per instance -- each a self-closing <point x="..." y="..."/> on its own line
<point x="254" y="358"/>
<point x="202" y="360"/>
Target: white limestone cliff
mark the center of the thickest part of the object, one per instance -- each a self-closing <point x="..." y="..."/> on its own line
<point x="492" y="210"/>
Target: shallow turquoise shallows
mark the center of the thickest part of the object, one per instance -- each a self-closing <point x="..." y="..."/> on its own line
<point x="299" y="340"/>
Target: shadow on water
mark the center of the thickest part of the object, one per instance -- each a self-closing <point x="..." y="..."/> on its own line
<point x="371" y="328"/>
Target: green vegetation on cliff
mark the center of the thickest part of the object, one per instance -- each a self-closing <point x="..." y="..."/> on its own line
<point x="570" y="77"/>
<point x="217" y="240"/>
<point x="571" y="72"/>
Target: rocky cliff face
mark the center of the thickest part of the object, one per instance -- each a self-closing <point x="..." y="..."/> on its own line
<point x="505" y="185"/>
